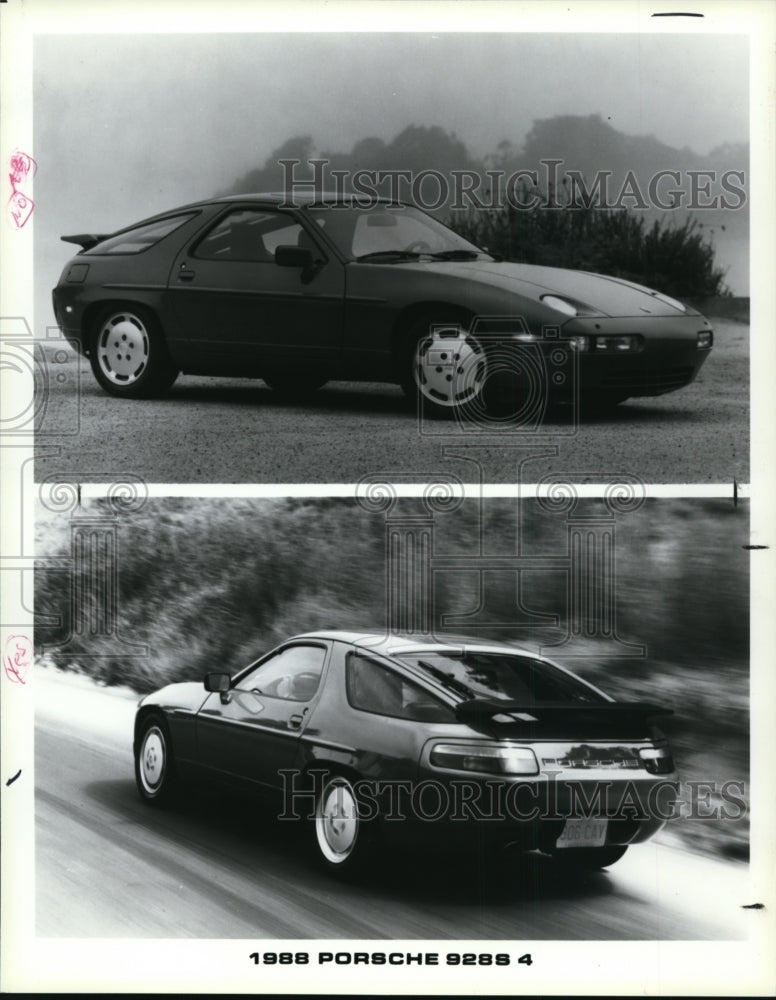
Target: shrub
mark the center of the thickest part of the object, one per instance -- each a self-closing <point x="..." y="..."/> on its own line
<point x="673" y="257"/>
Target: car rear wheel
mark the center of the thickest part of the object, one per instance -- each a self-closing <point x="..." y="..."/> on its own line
<point x="443" y="367"/>
<point x="154" y="762"/>
<point x="128" y="354"/>
<point x="588" y="858"/>
<point x="343" y="841"/>
<point x="294" y="386"/>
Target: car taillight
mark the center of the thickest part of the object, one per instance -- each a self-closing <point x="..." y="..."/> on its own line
<point x="490" y="759"/>
<point x="657" y="760"/>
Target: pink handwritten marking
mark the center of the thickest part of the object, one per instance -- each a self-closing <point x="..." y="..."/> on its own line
<point x="20" y="205"/>
<point x="21" y="165"/>
<point x="17" y="657"/>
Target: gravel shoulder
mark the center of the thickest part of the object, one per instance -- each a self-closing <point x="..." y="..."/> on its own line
<point x="211" y="430"/>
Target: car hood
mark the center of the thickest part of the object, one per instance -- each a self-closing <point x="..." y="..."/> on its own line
<point x="599" y="293"/>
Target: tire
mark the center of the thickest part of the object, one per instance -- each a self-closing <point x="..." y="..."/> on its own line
<point x="155" y="773"/>
<point x="294" y="386"/>
<point x="585" y="859"/>
<point x="342" y="841"/>
<point x="441" y="367"/>
<point x="128" y="354"/>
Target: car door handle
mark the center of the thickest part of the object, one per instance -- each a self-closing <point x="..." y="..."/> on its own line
<point x="295" y="721"/>
<point x="184" y="274"/>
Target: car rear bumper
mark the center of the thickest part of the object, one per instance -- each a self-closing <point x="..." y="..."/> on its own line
<point x="621" y="808"/>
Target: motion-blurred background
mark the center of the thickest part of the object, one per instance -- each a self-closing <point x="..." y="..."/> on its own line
<point x="214" y="584"/>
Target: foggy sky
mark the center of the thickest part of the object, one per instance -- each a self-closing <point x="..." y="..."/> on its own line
<point x="128" y="125"/>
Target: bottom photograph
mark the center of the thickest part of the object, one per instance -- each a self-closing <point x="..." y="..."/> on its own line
<point x="392" y="717"/>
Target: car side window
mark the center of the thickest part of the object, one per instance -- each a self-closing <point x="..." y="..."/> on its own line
<point x="293" y="674"/>
<point x="249" y="235"/>
<point x="371" y="687"/>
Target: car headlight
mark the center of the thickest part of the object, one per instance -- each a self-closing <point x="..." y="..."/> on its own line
<point x="561" y="305"/>
<point x="657" y="760"/>
<point x="490" y="759"/>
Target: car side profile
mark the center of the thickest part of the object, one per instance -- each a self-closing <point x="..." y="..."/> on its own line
<point x="373" y="740"/>
<point x="324" y="288"/>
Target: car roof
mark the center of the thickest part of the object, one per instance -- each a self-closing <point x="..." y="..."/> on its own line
<point x="304" y="198"/>
<point x="289" y="199"/>
<point x="392" y="645"/>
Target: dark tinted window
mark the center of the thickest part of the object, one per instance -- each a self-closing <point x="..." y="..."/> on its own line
<point x="141" y="237"/>
<point x="502" y="675"/>
<point x="374" y="688"/>
<point x="292" y="674"/>
<point x="250" y="235"/>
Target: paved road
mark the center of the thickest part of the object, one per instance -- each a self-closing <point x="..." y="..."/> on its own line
<point x="109" y="866"/>
<point x="238" y="431"/>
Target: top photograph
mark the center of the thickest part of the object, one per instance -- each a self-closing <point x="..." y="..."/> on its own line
<point x="313" y="258"/>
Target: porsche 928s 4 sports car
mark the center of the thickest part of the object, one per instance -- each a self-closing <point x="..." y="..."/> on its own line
<point x="368" y="739"/>
<point x="245" y="286"/>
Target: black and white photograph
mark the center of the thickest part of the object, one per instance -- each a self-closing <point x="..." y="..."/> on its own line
<point x="302" y="250"/>
<point x="388" y="478"/>
<point x="541" y="710"/>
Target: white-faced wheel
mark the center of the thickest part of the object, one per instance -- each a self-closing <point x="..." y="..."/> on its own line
<point x="336" y="821"/>
<point x="343" y="841"/>
<point x="154" y="762"/>
<point x="444" y="368"/>
<point x="128" y="354"/>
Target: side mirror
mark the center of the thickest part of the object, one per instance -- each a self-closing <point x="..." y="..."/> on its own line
<point x="291" y="256"/>
<point x="218" y="682"/>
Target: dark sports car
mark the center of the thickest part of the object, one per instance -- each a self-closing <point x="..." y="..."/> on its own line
<point x="367" y="738"/>
<point x="248" y="286"/>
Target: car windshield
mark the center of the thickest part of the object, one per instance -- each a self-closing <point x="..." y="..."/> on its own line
<point x="390" y="233"/>
<point x="504" y="676"/>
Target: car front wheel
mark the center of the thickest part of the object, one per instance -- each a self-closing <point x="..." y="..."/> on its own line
<point x="444" y="368"/>
<point x="154" y="763"/>
<point x="128" y="354"/>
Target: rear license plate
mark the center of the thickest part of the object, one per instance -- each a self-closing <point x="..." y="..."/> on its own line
<point x="583" y="833"/>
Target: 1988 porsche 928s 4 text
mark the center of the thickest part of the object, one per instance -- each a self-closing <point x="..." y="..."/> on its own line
<point x="324" y="289"/>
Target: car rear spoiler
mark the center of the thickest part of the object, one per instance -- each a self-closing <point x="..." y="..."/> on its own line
<point x="616" y="719"/>
<point x="85" y="240"/>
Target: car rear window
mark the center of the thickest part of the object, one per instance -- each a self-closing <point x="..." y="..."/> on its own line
<point x="507" y="676"/>
<point x="371" y="687"/>
<point x="141" y="237"/>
